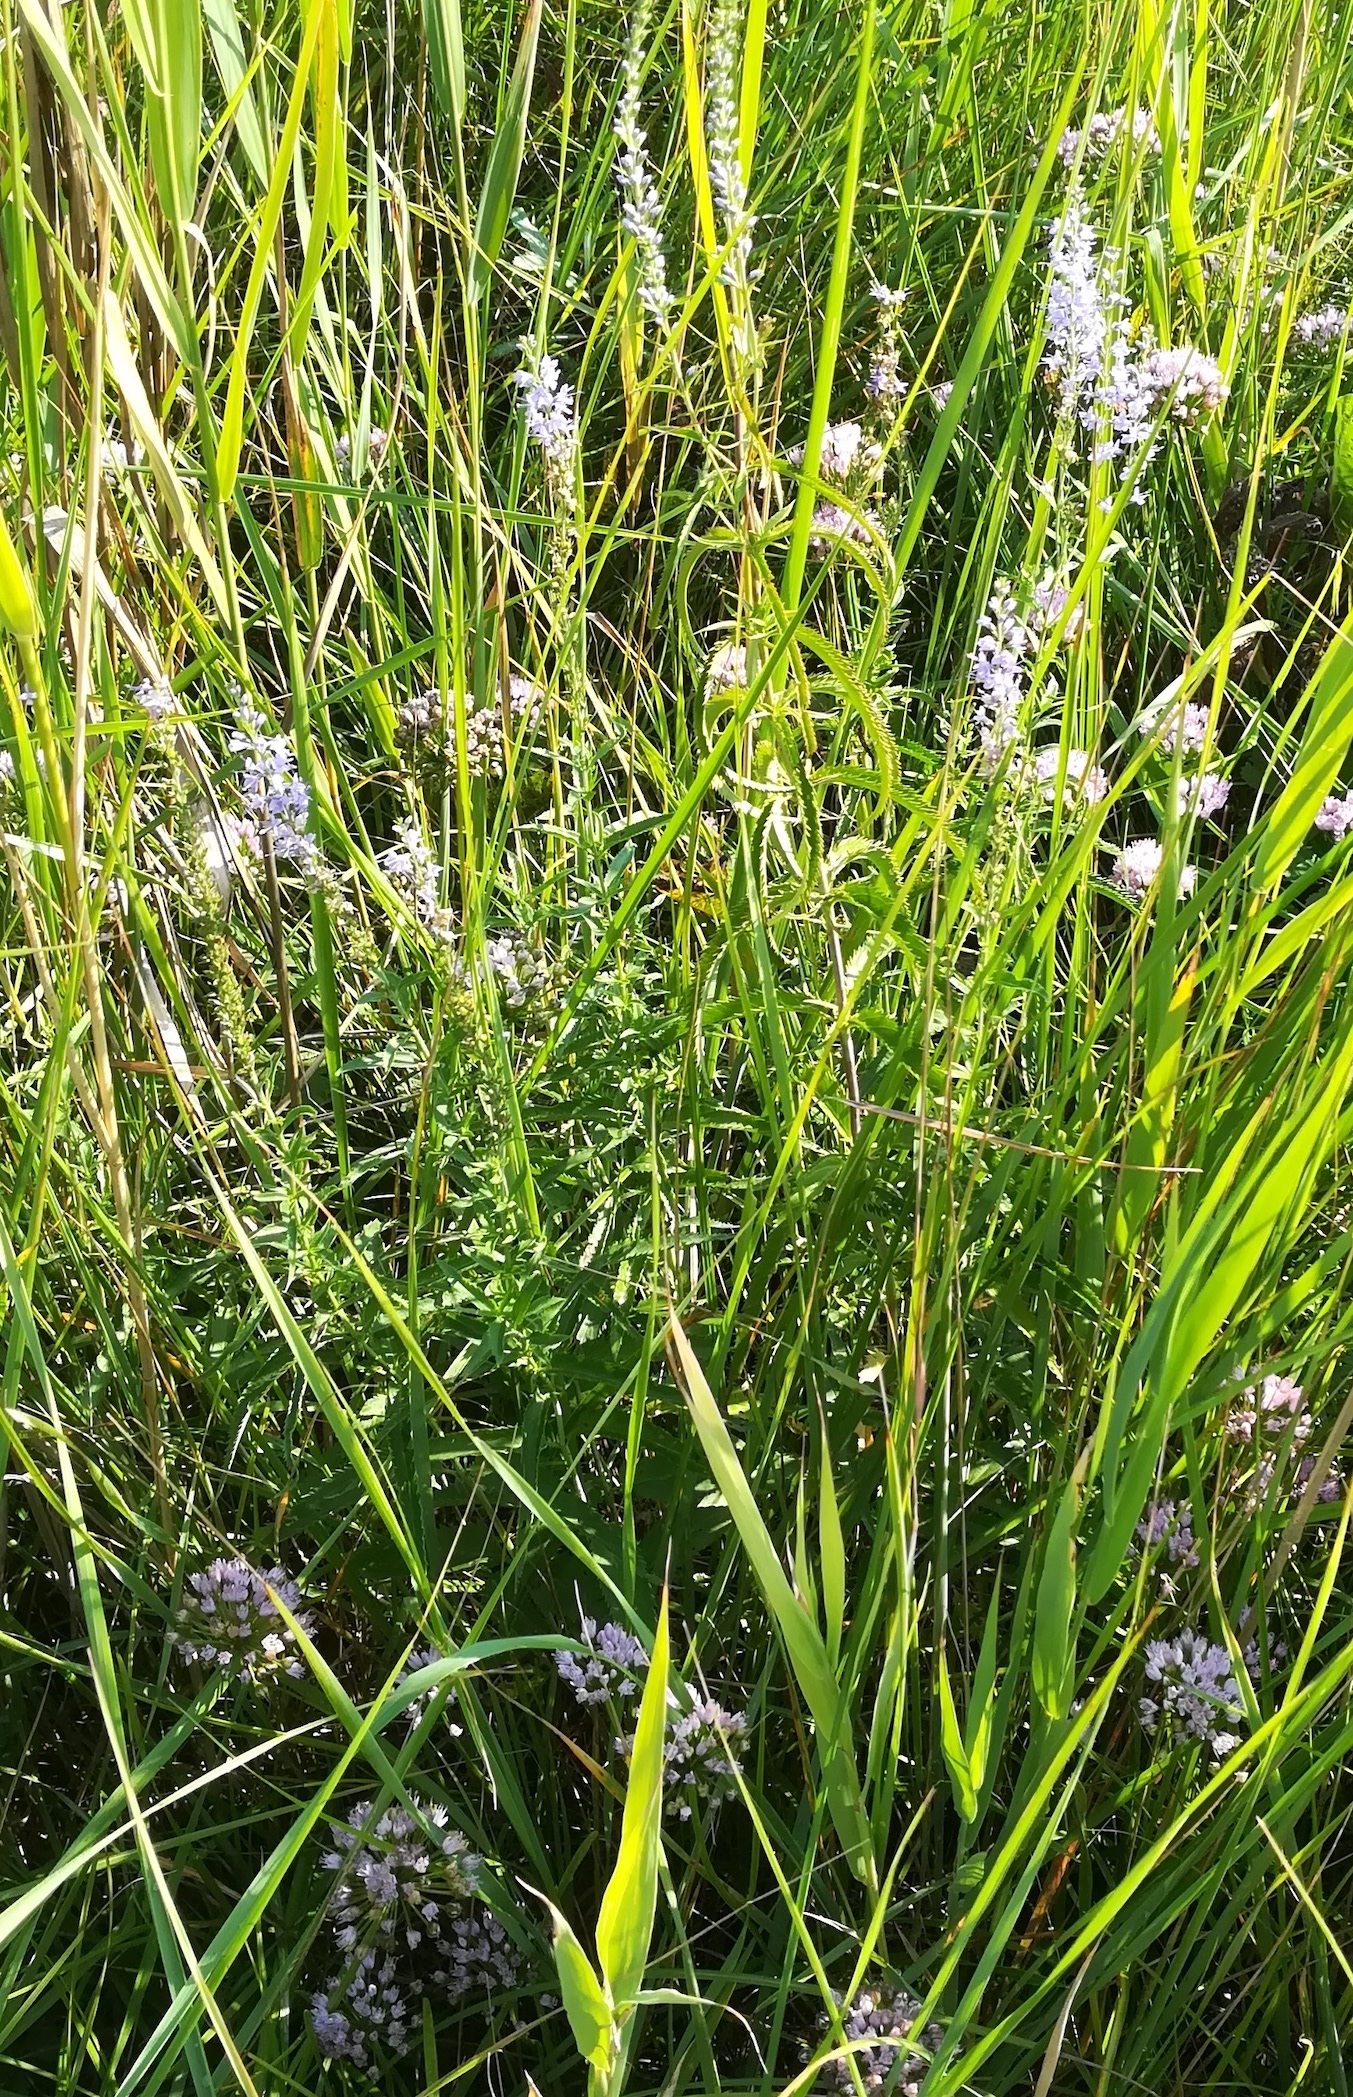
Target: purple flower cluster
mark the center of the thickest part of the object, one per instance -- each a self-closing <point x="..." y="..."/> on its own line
<point x="228" y="1619"/>
<point x="878" y="2027"/>
<point x="615" y="1664"/>
<point x="1195" y="1692"/>
<point x="397" y="1874"/>
<point x="404" y="1923"/>
<point x="276" y="798"/>
<point x="1335" y="816"/>
<point x="701" y="1751"/>
<point x="421" y="1657"/>
<point x="1170" y="1522"/>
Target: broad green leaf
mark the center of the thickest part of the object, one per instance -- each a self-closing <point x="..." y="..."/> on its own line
<point x="588" y="2011"/>
<point x="227" y="42"/>
<point x="625" y="1923"/>
<point x="232" y="419"/>
<point x="1324" y="745"/>
<point x="505" y="156"/>
<point x="446" y="56"/>
<point x="803" y="1641"/>
<point x="1054" y="1658"/>
<point x="951" y="1742"/>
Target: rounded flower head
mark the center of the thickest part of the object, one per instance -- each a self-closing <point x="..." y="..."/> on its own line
<point x="832" y="523"/>
<point x="844" y="449"/>
<point x="1084" y="781"/>
<point x="614" y="1665"/>
<point x="1335" y="816"/>
<point x="878" y="2026"/>
<point x="360" y="2019"/>
<point x="228" y="1619"/>
<point x="1193" y="1691"/>
<point x="421" y="1657"/>
<point x="479" y="1956"/>
<point x="398" y="1876"/>
<point x="1138" y="866"/>
<point x="701" y="1754"/>
<point x="726" y="670"/>
<point x="1188" y="379"/>
<point x="1320" y="329"/>
<point x="1204" y="796"/>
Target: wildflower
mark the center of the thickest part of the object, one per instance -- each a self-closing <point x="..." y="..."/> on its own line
<point x="550" y="415"/>
<point x="1170" y="1522"/>
<point x="723" y="130"/>
<point x="398" y="1876"/>
<point x="122" y="457"/>
<point x="1187" y="379"/>
<point x="700" y="1753"/>
<point x="1138" y="865"/>
<point x="377" y="444"/>
<point x="421" y="1657"/>
<point x="940" y="394"/>
<point x="832" y="523"/>
<point x="276" y="798"/>
<point x="1049" y="602"/>
<point x="411" y="867"/>
<point x="1180" y="727"/>
<point x="615" y="1665"/>
<point x="1319" y="329"/>
<point x="1254" y="1652"/>
<point x="9" y="771"/>
<point x="1078" y="315"/>
<point x="520" y="971"/>
<point x="641" y="208"/>
<point x="998" y="672"/>
<point x="726" y="670"/>
<point x="878" y="2024"/>
<point x="1331" y="1486"/>
<point x="1083" y="781"/>
<point x="155" y="697"/>
<point x="1335" y="816"/>
<point x="1197" y="1690"/>
<point x="352" y="2021"/>
<point x="228" y="1619"/>
<point x="843" y="448"/>
<point x="479" y="1956"/>
<point x="1204" y="796"/>
<point x="1273" y="1410"/>
<point x="1104" y="133"/>
<point x="885" y="384"/>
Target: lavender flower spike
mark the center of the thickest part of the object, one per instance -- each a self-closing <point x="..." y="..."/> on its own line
<point x="641" y="207"/>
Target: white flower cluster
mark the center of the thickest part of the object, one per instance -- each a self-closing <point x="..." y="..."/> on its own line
<point x="885" y="384"/>
<point x="397" y="1874"/>
<point x="1082" y="781"/>
<point x="879" y="2024"/>
<point x="845" y="455"/>
<point x="1194" y="1691"/>
<point x="421" y="1657"/>
<point x="1105" y="133"/>
<point x="551" y="418"/>
<point x="1335" y="816"/>
<point x="377" y="444"/>
<point x="405" y="1926"/>
<point x="358" y="2019"/>
<point x="722" y="128"/>
<point x="1112" y="383"/>
<point x="1203" y="794"/>
<point x="155" y="697"/>
<point x="1322" y="328"/>
<point x="228" y="1619"/>
<point x="833" y="523"/>
<point x="410" y="865"/>
<point x="426" y="731"/>
<point x="726" y="669"/>
<point x="1273" y="1410"/>
<point x="640" y="205"/>
<point x="1137" y="869"/>
<point x="614" y="1666"/>
<point x="521" y="972"/>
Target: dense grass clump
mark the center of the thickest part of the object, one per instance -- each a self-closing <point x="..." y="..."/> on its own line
<point x="678" y="1003"/>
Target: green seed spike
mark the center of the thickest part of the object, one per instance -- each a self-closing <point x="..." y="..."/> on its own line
<point x="1341" y="468"/>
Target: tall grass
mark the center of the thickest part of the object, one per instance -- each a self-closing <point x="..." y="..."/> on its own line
<point x="690" y="1138"/>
